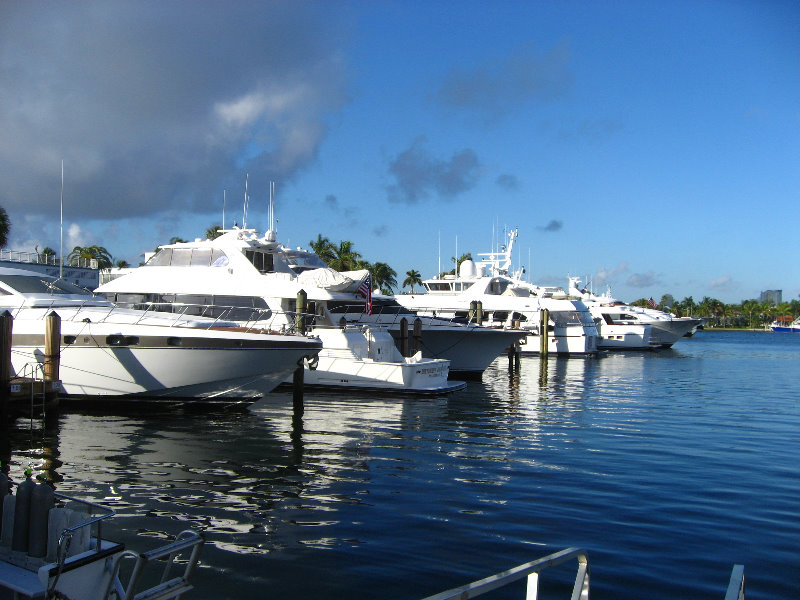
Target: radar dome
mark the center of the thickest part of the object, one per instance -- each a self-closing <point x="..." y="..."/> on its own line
<point x="467" y="269"/>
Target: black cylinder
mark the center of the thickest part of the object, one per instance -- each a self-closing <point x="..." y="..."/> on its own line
<point x="42" y="500"/>
<point x="22" y="512"/>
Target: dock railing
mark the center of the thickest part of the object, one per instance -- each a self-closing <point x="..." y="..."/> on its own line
<point x="531" y="570"/>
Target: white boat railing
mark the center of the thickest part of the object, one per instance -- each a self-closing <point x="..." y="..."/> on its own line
<point x="188" y="542"/>
<point x="736" y="585"/>
<point x="531" y="570"/>
<point x="172" y="314"/>
<point x="580" y="589"/>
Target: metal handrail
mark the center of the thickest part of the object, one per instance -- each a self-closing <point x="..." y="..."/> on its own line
<point x="736" y="584"/>
<point x="166" y="588"/>
<point x="531" y="570"/>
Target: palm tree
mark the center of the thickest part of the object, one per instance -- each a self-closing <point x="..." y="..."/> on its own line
<point x="87" y="253"/>
<point x="176" y="240"/>
<point x="384" y="277"/>
<point x="48" y="256"/>
<point x="5" y="227"/>
<point x="344" y="257"/>
<point x="750" y="306"/>
<point x="213" y="232"/>
<point x="412" y="278"/>
<point x="323" y="248"/>
<point x="122" y="264"/>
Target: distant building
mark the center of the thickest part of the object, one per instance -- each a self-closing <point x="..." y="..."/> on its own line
<point x="772" y="296"/>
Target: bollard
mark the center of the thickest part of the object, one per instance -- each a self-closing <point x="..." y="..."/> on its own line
<point x="404" y="337"/>
<point x="479" y="312"/>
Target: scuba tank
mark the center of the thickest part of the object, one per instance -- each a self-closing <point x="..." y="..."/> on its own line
<point x="22" y="511"/>
<point x="42" y="500"/>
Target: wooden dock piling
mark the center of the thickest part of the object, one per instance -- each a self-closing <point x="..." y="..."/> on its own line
<point x="6" y="328"/>
<point x="404" y="337"/>
<point x="544" y="331"/>
<point x="52" y="347"/>
<point x="417" y="335"/>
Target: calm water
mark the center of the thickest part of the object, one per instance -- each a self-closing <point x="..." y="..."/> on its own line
<point x="667" y="467"/>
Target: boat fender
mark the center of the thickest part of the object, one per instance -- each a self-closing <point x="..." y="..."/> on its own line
<point x="42" y="500"/>
<point x="22" y="511"/>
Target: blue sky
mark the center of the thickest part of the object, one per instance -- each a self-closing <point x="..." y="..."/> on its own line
<point x="652" y="147"/>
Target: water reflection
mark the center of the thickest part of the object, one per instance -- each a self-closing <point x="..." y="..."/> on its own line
<point x="369" y="492"/>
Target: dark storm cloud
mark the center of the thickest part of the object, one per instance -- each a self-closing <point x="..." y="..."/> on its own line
<point x="157" y="105"/>
<point x="553" y="225"/>
<point x="332" y="202"/>
<point x="642" y="280"/>
<point x="502" y="84"/>
<point x="417" y="174"/>
<point x="508" y="181"/>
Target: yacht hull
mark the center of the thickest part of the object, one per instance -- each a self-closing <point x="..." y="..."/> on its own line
<point x="178" y="365"/>
<point x="665" y="333"/>
<point x="625" y="337"/>
<point x="470" y="350"/>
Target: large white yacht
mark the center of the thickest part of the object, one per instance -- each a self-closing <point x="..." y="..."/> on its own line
<point x="507" y="301"/>
<point x="260" y="278"/>
<point x="619" y="319"/>
<point x="107" y="351"/>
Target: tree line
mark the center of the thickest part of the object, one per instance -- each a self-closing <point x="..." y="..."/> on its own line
<point x="748" y="314"/>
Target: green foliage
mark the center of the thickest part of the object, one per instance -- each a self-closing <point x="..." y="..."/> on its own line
<point x="412" y="278"/>
<point x="213" y="232"/>
<point x="5" y="227"/>
<point x="81" y="255"/>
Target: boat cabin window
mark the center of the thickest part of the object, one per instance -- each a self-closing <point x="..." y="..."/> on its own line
<point x="181" y="257"/>
<point x="233" y="308"/>
<point x="304" y="261"/>
<point x="32" y="284"/>
<point x="162" y="258"/>
<point x="264" y="262"/>
<point x="188" y="257"/>
<point x="438" y="286"/>
<point x="497" y="287"/>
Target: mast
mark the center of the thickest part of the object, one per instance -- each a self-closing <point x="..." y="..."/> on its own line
<point x="244" y="212"/>
<point x="61" y="226"/>
<point x="223" y="209"/>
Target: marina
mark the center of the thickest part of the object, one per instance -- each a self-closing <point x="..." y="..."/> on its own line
<point x="668" y="468"/>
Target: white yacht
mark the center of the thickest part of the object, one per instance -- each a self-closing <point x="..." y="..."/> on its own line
<point x="257" y="278"/>
<point x="366" y="358"/>
<point x="620" y="319"/>
<point x="107" y="351"/>
<point x="507" y="301"/>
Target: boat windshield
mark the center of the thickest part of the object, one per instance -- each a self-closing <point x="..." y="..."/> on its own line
<point x="304" y="261"/>
<point x="188" y="257"/>
<point x="566" y="318"/>
<point x="32" y="284"/>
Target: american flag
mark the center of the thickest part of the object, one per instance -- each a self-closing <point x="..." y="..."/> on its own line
<point x="652" y="303"/>
<point x="365" y="289"/>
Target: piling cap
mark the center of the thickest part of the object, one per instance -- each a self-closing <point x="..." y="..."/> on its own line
<point x="41" y="477"/>
<point x="28" y="472"/>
